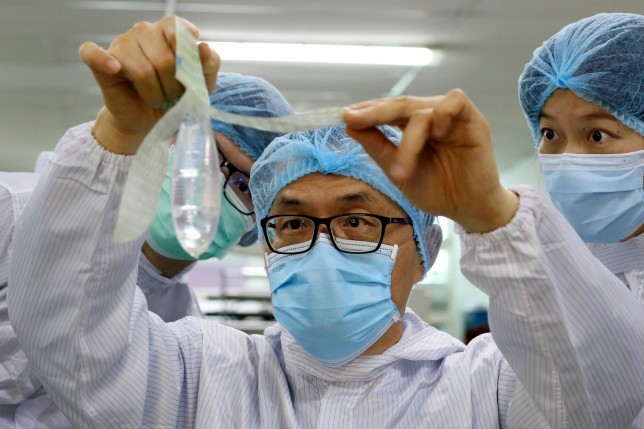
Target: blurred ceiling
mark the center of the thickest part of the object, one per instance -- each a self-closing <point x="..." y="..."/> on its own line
<point x="45" y="89"/>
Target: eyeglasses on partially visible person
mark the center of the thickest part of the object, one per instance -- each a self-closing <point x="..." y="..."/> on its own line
<point x="236" y="189"/>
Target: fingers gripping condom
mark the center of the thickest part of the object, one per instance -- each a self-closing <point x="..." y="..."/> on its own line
<point x="149" y="165"/>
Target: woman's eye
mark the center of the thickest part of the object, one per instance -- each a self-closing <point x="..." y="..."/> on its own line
<point x="548" y="134"/>
<point x="599" y="136"/>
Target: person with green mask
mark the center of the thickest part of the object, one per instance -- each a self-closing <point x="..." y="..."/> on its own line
<point x="163" y="259"/>
<point x="238" y="148"/>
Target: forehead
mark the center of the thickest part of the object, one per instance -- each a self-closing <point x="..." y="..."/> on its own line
<point x="233" y="153"/>
<point x="331" y="190"/>
<point x="564" y="102"/>
<point x="564" y="107"/>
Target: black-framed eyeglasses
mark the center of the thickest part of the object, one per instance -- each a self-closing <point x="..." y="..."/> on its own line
<point x="350" y="233"/>
<point x="236" y="188"/>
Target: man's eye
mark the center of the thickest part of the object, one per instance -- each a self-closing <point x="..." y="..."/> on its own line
<point x="294" y="224"/>
<point x="354" y="222"/>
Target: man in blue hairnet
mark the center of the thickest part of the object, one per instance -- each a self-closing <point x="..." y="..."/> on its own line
<point x="343" y="248"/>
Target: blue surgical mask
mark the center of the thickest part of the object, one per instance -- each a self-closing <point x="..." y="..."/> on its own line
<point x="162" y="238"/>
<point x="334" y="304"/>
<point x="600" y="195"/>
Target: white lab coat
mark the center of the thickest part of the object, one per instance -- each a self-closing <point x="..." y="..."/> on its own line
<point x="626" y="261"/>
<point x="24" y="404"/>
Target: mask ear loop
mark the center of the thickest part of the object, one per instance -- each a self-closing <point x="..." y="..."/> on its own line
<point x="394" y="252"/>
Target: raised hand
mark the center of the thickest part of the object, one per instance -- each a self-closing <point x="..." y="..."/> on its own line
<point x="136" y="75"/>
<point x="445" y="163"/>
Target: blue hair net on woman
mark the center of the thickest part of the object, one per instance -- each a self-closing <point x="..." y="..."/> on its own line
<point x="332" y="151"/>
<point x="600" y="59"/>
<point x="250" y="96"/>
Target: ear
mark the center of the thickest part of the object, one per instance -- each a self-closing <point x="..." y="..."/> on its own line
<point x="420" y="270"/>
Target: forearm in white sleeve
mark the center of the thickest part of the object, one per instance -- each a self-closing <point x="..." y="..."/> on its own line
<point x="73" y="300"/>
<point x="170" y="298"/>
<point x="570" y="329"/>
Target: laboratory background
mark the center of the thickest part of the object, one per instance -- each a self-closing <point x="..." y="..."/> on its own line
<point x="480" y="46"/>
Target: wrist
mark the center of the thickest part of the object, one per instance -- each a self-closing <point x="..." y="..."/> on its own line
<point x="499" y="211"/>
<point x="168" y="267"/>
<point x="114" y="139"/>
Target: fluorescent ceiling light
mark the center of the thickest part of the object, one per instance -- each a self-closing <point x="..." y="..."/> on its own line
<point x="332" y="54"/>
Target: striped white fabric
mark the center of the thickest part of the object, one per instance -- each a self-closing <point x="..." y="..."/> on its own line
<point x="17" y="380"/>
<point x="23" y="402"/>
<point x="15" y="188"/>
<point x="569" y="327"/>
<point x="110" y="363"/>
<point x="626" y="260"/>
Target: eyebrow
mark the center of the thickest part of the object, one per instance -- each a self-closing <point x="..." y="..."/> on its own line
<point x="356" y="197"/>
<point x="595" y="115"/>
<point x="285" y="202"/>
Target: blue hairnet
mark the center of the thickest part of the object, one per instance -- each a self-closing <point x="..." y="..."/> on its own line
<point x="600" y="59"/>
<point x="250" y="96"/>
<point x="332" y="151"/>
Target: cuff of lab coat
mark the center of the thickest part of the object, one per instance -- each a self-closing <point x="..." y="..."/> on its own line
<point x="531" y="205"/>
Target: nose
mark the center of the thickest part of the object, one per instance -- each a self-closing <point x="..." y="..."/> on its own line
<point x="573" y="146"/>
<point x="576" y="146"/>
<point x="323" y="229"/>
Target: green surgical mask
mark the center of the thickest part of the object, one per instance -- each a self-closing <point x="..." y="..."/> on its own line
<point x="162" y="238"/>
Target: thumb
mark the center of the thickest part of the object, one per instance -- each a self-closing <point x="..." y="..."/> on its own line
<point x="378" y="147"/>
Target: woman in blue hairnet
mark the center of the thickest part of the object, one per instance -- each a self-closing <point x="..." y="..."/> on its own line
<point x="583" y="95"/>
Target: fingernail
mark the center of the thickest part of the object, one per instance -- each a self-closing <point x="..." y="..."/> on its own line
<point x="355" y="113"/>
